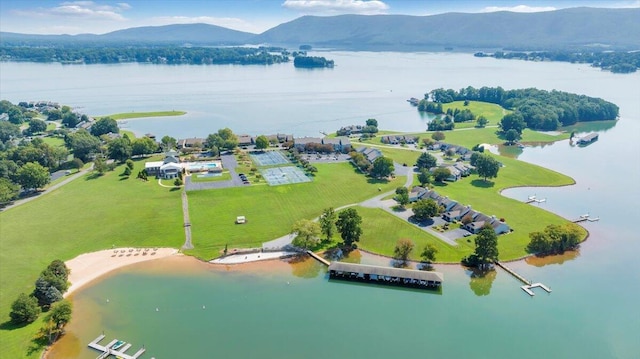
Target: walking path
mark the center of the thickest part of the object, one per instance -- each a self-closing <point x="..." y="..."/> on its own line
<point x="49" y="189"/>
<point x="187" y="224"/>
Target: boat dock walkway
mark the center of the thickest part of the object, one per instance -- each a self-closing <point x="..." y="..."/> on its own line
<point x="586" y="218"/>
<point x="107" y="351"/>
<point x="318" y="258"/>
<point x="527" y="283"/>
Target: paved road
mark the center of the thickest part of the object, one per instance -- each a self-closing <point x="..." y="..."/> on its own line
<point x="52" y="188"/>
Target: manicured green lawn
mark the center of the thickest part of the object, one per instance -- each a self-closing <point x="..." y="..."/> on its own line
<point x="86" y="215"/>
<point x="224" y="176"/>
<point x="381" y="230"/>
<point x="271" y="211"/>
<point x="126" y="115"/>
<point x="491" y="111"/>
<point x="53" y="141"/>
<point x="522" y="218"/>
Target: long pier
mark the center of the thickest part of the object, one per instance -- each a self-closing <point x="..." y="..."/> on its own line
<point x="108" y="351"/>
<point x="318" y="258"/>
<point x="527" y="283"/>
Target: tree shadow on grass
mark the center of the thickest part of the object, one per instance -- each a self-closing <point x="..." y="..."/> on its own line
<point x="9" y="325"/>
<point x="173" y="189"/>
<point x="427" y="223"/>
<point x="440" y="184"/>
<point x="92" y="176"/>
<point x="482" y="183"/>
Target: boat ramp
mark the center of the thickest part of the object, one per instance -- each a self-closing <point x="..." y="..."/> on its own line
<point x="107" y="350"/>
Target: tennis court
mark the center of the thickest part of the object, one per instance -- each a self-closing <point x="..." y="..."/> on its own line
<point x="284" y="175"/>
<point x="269" y="158"/>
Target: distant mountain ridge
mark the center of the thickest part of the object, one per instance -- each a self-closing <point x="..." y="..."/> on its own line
<point x="573" y="28"/>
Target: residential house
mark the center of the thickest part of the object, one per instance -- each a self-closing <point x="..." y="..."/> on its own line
<point x="191" y="142"/>
<point x="479" y="221"/>
<point x="446" y="204"/>
<point x="350" y="130"/>
<point x="465" y="170"/>
<point x="416" y="193"/>
<point x="456" y="213"/>
<point x="245" y="140"/>
<point x="340" y="144"/>
<point x="301" y="143"/>
<point x="499" y="226"/>
<point x="371" y="154"/>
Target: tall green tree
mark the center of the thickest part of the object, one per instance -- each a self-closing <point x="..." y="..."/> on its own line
<point x="481" y="121"/>
<point x="120" y="149"/>
<point x="438" y="136"/>
<point x="487" y="166"/>
<point x="59" y="315"/>
<point x="262" y="142"/>
<point x="348" y="225"/>
<point x="402" y="196"/>
<point x="224" y="139"/>
<point x="37" y="126"/>
<point x="441" y="173"/>
<point x="512" y="136"/>
<point x="513" y="121"/>
<point x="83" y="145"/>
<point x="143" y="146"/>
<point x="382" y="167"/>
<point x="403" y="249"/>
<point x="426" y="161"/>
<point x="8" y="190"/>
<point x="428" y="254"/>
<point x="424" y="177"/>
<point x="307" y="233"/>
<point x="168" y="142"/>
<point x="24" y="309"/>
<point x="33" y="176"/>
<point x="328" y="223"/>
<point x="8" y="131"/>
<point x="103" y="126"/>
<point x="486" y="246"/>
<point x="425" y="209"/>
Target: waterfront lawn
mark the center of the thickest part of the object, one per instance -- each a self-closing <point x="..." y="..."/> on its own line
<point x="399" y="155"/>
<point x="471" y="137"/>
<point x="272" y="210"/>
<point x="382" y="230"/>
<point x="89" y="214"/>
<point x="522" y="218"/>
<point x="128" y="115"/>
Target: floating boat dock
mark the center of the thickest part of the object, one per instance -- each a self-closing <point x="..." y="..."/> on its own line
<point x="586" y="218"/>
<point x="588" y="139"/>
<point x="108" y="351"/>
<point x="527" y="283"/>
<point x="319" y="259"/>
<point x="385" y="275"/>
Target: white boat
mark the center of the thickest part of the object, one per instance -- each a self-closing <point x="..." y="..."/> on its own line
<point x="119" y="344"/>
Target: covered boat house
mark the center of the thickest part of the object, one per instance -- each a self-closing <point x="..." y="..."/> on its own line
<point x="385" y="275"/>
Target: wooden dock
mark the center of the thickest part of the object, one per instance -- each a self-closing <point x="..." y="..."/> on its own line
<point x="586" y="218"/>
<point x="108" y="351"/>
<point x="318" y="258"/>
<point x="527" y="283"/>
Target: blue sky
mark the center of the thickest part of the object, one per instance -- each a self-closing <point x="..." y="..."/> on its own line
<point x="74" y="17"/>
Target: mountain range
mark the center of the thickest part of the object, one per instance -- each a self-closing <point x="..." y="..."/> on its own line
<point x="574" y="28"/>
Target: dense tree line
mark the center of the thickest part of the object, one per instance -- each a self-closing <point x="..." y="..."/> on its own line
<point x="540" y="109"/>
<point x="311" y="62"/>
<point x="617" y="62"/>
<point x="155" y="55"/>
<point x="555" y="239"/>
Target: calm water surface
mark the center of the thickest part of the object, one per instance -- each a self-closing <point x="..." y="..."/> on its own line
<point x="253" y="312"/>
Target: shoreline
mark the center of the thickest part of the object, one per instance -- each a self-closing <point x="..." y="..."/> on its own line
<point x="88" y="267"/>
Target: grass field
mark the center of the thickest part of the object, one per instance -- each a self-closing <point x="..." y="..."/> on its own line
<point x="86" y="215"/>
<point x="127" y="115"/>
<point x="53" y="141"/>
<point x="224" y="176"/>
<point x="271" y="211"/>
<point x="381" y="230"/>
<point x="491" y="111"/>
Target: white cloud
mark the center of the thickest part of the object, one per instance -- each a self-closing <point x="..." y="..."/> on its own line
<point x="518" y="8"/>
<point x="228" y="22"/>
<point x="365" y="7"/>
<point x="80" y="10"/>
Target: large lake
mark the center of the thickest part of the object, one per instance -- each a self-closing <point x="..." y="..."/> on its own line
<point x="292" y="311"/>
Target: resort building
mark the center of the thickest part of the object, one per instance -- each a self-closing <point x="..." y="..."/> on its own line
<point x="171" y="167"/>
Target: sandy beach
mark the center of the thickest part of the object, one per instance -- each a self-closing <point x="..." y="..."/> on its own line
<point x="89" y="266"/>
